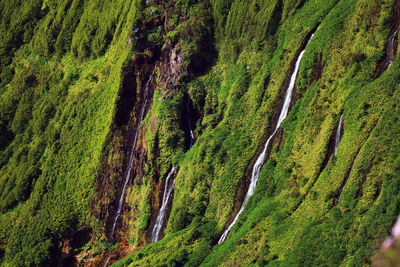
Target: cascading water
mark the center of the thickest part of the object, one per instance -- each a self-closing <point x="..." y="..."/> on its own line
<point x="392" y="48"/>
<point x="260" y="160"/>
<point x="391" y="45"/>
<point x="338" y="135"/>
<point x="189" y="121"/>
<point x="131" y="157"/>
<point x="168" y="187"/>
<point x="347" y="178"/>
<point x="390" y="53"/>
<point x="169" y="184"/>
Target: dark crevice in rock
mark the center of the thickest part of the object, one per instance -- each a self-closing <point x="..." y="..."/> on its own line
<point x="127" y="96"/>
<point x="188" y="121"/>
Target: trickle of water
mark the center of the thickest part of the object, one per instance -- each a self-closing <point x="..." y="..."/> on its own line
<point x="131" y="157"/>
<point x="189" y="121"/>
<point x="338" y="135"/>
<point x="260" y="160"/>
<point x="169" y="184"/>
<point x="168" y="187"/>
<point x="391" y="51"/>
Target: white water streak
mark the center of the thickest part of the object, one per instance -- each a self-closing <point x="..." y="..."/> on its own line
<point x="131" y="157"/>
<point x="168" y="187"/>
<point x="260" y="160"/>
<point x="338" y="133"/>
<point x="189" y="121"/>
<point x="391" y="47"/>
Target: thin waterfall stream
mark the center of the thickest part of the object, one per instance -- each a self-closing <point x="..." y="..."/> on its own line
<point x="261" y="159"/>
<point x="338" y="135"/>
<point x="189" y="121"/>
<point x="169" y="184"/>
<point x="168" y="187"/>
<point x="132" y="156"/>
<point x="392" y="42"/>
<point x="392" y="48"/>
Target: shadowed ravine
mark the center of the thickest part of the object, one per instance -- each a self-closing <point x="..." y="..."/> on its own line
<point x="131" y="157"/>
<point x="261" y="159"/>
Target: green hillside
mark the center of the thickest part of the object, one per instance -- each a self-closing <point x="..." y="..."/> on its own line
<point x="73" y="81"/>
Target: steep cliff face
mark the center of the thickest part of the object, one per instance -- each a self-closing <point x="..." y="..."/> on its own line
<point x="101" y="101"/>
<point x="158" y="69"/>
<point x="294" y="214"/>
<point x="131" y="101"/>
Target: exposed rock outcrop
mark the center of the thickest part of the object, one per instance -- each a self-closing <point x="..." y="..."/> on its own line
<point x="171" y="67"/>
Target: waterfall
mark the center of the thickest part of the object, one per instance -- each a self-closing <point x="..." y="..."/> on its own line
<point x="338" y="135"/>
<point x="260" y="160"/>
<point x="169" y="184"/>
<point x="347" y="178"/>
<point x="168" y="187"/>
<point x="392" y="47"/>
<point x="189" y="121"/>
<point x="132" y="156"/>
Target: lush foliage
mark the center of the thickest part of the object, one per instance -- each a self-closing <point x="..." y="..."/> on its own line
<point x="293" y="218"/>
<point x="61" y="69"/>
<point x="55" y="111"/>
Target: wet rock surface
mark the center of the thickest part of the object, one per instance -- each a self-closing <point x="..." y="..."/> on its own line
<point x="390" y="53"/>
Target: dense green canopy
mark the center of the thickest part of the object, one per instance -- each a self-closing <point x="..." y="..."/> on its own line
<point x="63" y="64"/>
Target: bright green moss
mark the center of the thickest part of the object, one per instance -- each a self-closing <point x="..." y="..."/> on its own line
<point x="61" y="66"/>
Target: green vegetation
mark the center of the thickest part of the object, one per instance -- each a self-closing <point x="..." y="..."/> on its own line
<point x="291" y="219"/>
<point x="55" y="112"/>
<point x="62" y="68"/>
